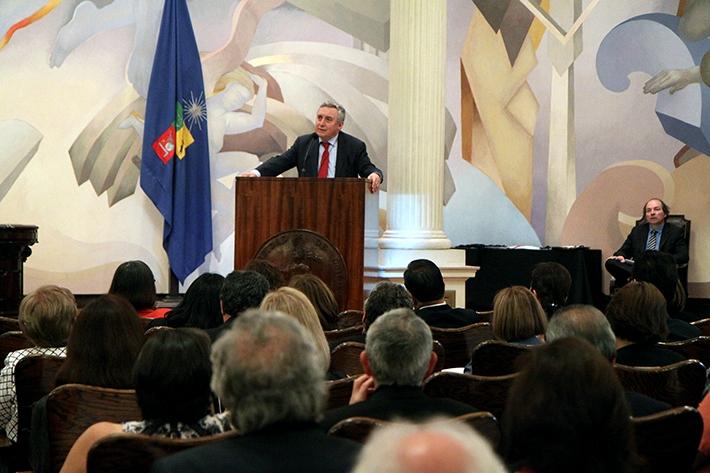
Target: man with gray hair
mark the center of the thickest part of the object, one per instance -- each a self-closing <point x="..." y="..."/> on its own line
<point x="438" y="446"/>
<point x="587" y="322"/>
<point x="269" y="376"/>
<point x="397" y="358"/>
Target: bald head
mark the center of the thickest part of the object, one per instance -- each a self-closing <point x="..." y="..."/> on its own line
<point x="432" y="452"/>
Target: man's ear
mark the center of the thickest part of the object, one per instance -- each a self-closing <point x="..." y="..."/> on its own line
<point x="365" y="362"/>
<point x="432" y="363"/>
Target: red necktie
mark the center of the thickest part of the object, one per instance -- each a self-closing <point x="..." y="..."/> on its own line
<point x="323" y="170"/>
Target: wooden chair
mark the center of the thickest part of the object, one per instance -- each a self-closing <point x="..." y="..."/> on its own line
<point x="339" y="392"/>
<point x="668" y="441"/>
<point x="136" y="453"/>
<point x="356" y="429"/>
<point x="34" y="378"/>
<point x="485" y="424"/>
<point x="9" y="324"/>
<point x="341" y="335"/>
<point x="679" y="384"/>
<point x="703" y="325"/>
<point x="72" y="408"/>
<point x="345" y="359"/>
<point x="153" y="330"/>
<point x="460" y="342"/>
<point x="349" y="318"/>
<point x="485" y="315"/>
<point x="697" y="348"/>
<point x="486" y="393"/>
<point x="497" y="358"/>
<point x="12" y="341"/>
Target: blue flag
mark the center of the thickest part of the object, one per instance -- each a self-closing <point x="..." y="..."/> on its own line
<point x="175" y="166"/>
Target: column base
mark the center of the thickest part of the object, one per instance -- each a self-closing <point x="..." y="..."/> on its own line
<point x="415" y="240"/>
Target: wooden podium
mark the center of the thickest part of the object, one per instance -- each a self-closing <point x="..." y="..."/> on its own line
<point x="304" y="225"/>
<point x="15" y="242"/>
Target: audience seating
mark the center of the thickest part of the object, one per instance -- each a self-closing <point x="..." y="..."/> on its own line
<point x="349" y="318"/>
<point x="679" y="384"/>
<point x="9" y="324"/>
<point x="497" y="358"/>
<point x="697" y="348"/>
<point x="34" y="378"/>
<point x="703" y="325"/>
<point x="485" y="315"/>
<point x="438" y="348"/>
<point x="341" y="335"/>
<point x="339" y="392"/>
<point x="119" y="453"/>
<point x="460" y="342"/>
<point x="668" y="441"/>
<point x="12" y="341"/>
<point x="72" y="408"/>
<point x="486" y="393"/>
<point x="153" y="330"/>
<point x="345" y="359"/>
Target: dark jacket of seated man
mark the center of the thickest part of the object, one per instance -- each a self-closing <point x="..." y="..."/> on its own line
<point x="442" y="315"/>
<point x="396" y="360"/>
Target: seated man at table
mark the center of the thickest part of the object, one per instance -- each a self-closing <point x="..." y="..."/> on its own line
<point x="651" y="234"/>
<point x="424" y="281"/>
<point x="397" y="358"/>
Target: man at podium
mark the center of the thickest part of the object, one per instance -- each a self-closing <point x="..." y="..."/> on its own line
<point x="327" y="152"/>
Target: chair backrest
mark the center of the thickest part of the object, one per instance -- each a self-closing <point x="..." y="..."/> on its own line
<point x="460" y="342"/>
<point x="485" y="424"/>
<point x="669" y="440"/>
<point x="153" y="330"/>
<point x="703" y="325"/>
<point x="13" y="341"/>
<point x="356" y="428"/>
<point x="72" y="408"/>
<point x="485" y="315"/>
<point x="341" y="335"/>
<point x="9" y="324"/>
<point x="486" y="393"/>
<point x="136" y="452"/>
<point x="679" y="384"/>
<point x="349" y="318"/>
<point x="697" y="348"/>
<point x="345" y="359"/>
<point x="339" y="392"/>
<point x="497" y="358"/>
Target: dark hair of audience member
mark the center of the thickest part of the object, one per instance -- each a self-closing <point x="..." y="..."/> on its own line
<point x="384" y="297"/>
<point x="637" y="313"/>
<point x="172" y="376"/>
<point x="103" y="345"/>
<point x="242" y="290"/>
<point x="199" y="306"/>
<point x="517" y="315"/>
<point x="135" y="282"/>
<point x="660" y="269"/>
<point x="567" y="411"/>
<point x="268" y="270"/>
<point x="320" y="295"/>
<point x="424" y="281"/>
<point x="551" y="282"/>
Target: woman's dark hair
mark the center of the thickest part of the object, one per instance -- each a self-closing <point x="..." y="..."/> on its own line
<point x="637" y="313"/>
<point x="103" y="344"/>
<point x="172" y="376"/>
<point x="134" y="281"/>
<point x="567" y="411"/>
<point x="551" y="282"/>
<point x="199" y="307"/>
<point x="320" y="295"/>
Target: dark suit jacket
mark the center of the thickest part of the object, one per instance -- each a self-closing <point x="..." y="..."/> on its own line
<point x="389" y="402"/>
<point x="641" y="405"/>
<point x="281" y="448"/>
<point x="444" y="316"/>
<point x="352" y="159"/>
<point x="672" y="242"/>
<point x="216" y="332"/>
<point x="647" y="355"/>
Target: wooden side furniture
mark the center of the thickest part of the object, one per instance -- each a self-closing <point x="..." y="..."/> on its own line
<point x="679" y="384"/>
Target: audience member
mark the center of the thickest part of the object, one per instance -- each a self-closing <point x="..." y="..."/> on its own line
<point x="240" y="291"/>
<point x="437" y="446"/>
<point x="294" y="303"/>
<point x="518" y="316"/>
<point x="134" y="281"/>
<point x="46" y="316"/>
<point x="550" y="282"/>
<point x="397" y="358"/>
<point x="269" y="376"/>
<point x="172" y="379"/>
<point x="637" y="314"/>
<point x="567" y="413"/>
<point x="199" y="307"/>
<point x="588" y="323"/>
<point x="424" y="281"/>
<point x="384" y="297"/>
<point x="268" y="270"/>
<point x="320" y="296"/>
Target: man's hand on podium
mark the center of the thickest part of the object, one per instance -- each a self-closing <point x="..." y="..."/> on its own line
<point x="250" y="173"/>
<point x="374" y="181"/>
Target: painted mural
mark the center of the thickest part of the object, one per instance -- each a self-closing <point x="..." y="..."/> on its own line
<point x="563" y="117"/>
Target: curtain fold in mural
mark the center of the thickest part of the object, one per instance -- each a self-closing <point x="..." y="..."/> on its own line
<point x="175" y="171"/>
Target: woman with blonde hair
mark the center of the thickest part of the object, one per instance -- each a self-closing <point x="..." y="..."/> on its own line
<point x="518" y="316"/>
<point x="294" y="303"/>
